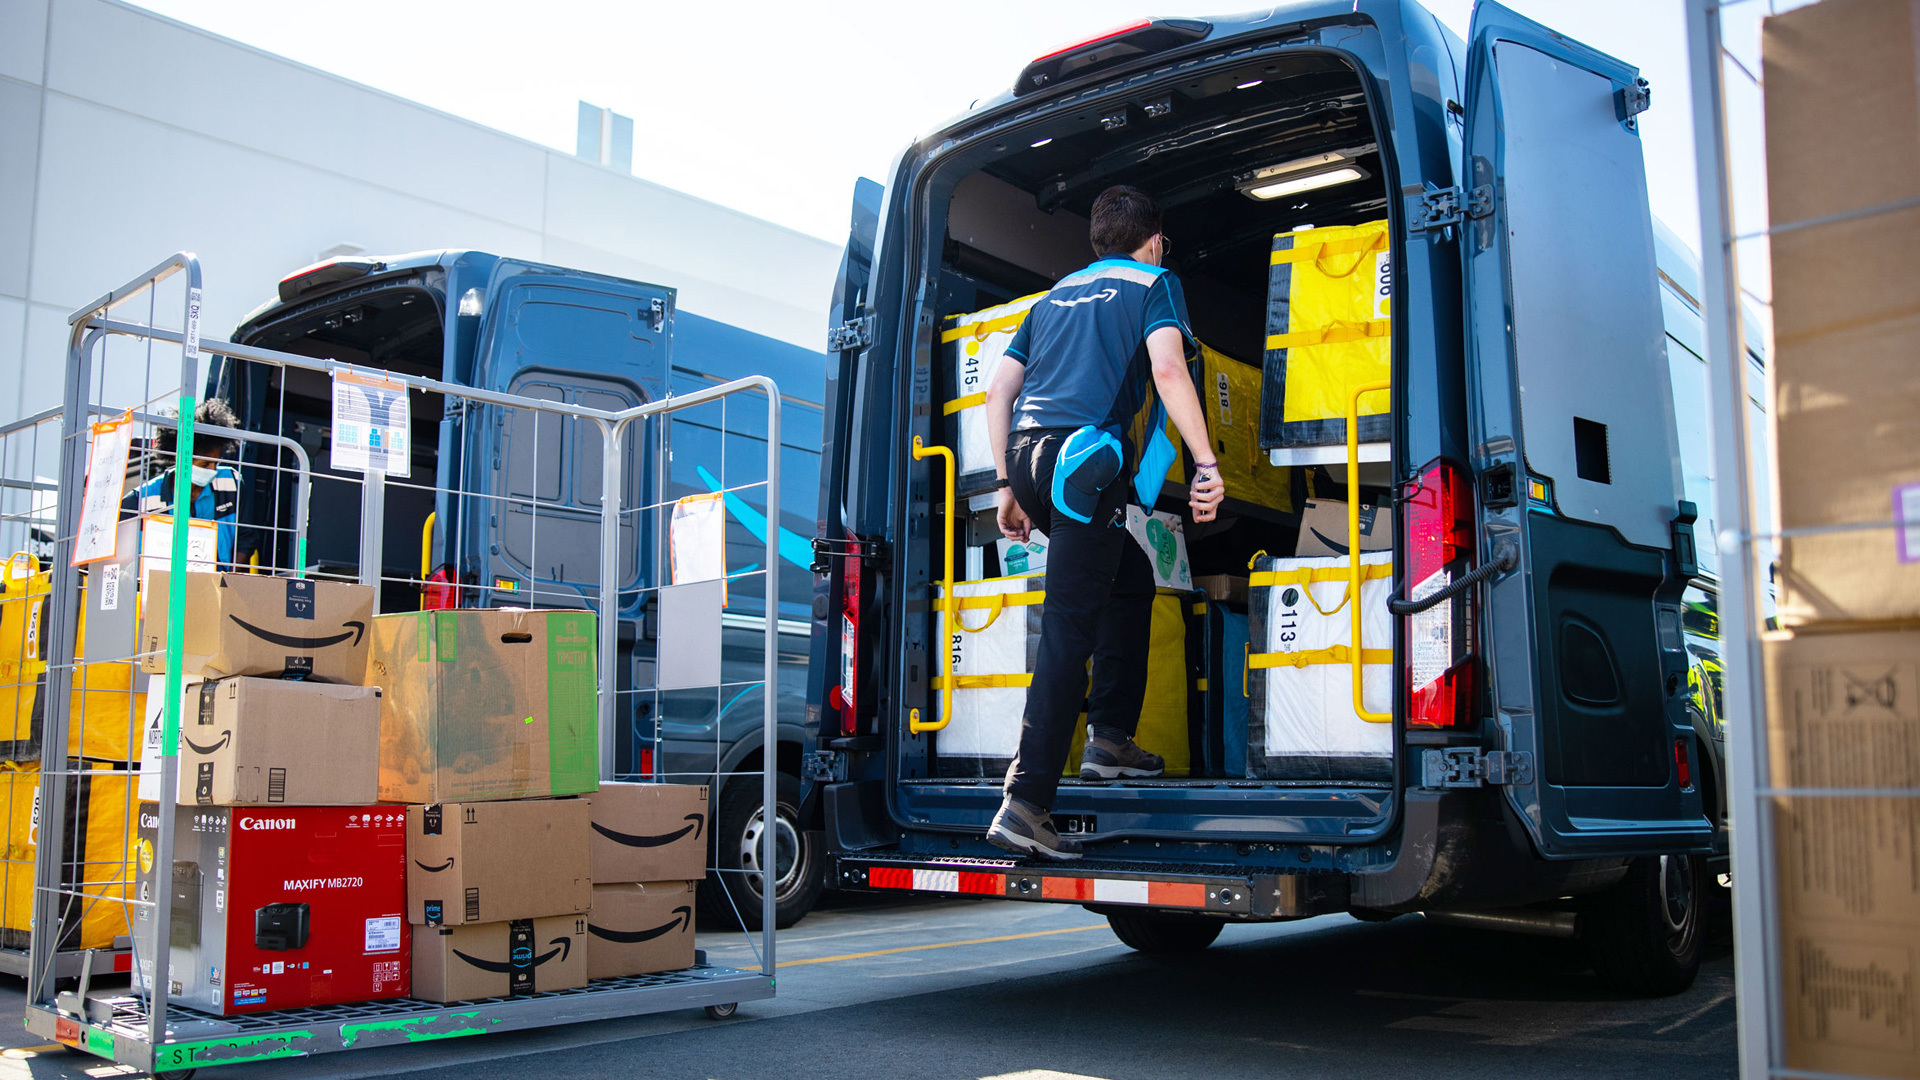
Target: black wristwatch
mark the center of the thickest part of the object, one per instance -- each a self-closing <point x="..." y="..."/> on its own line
<point x="1001" y="482"/>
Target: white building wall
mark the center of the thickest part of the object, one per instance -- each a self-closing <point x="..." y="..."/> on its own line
<point x="125" y="136"/>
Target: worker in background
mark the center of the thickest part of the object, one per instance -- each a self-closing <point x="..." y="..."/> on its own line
<point x="216" y="486"/>
<point x="1075" y="377"/>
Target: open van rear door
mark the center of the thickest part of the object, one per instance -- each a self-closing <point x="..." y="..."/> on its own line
<point x="1575" y="448"/>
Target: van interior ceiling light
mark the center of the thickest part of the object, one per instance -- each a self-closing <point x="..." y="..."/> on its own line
<point x="1301" y="174"/>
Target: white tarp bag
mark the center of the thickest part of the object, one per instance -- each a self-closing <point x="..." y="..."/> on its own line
<point x="993" y="647"/>
<point x="975" y="344"/>
<point x="1304" y="724"/>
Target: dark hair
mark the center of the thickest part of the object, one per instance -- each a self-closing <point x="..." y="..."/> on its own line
<point x="1124" y="218"/>
<point x="212" y="411"/>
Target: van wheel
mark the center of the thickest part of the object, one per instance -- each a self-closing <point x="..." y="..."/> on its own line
<point x="1159" y="932"/>
<point x="799" y="873"/>
<point x="1644" y="934"/>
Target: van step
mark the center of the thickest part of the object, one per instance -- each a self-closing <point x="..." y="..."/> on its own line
<point x="1257" y="892"/>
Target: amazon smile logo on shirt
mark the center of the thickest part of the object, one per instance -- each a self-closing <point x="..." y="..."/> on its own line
<point x="1102" y="296"/>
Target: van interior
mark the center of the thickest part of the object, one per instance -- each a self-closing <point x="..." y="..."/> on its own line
<point x="1235" y="157"/>
<point x="397" y="328"/>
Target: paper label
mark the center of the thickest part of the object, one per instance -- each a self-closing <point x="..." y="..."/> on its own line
<point x="371" y="424"/>
<point x="156" y="549"/>
<point x="106" y="484"/>
<point x="699" y="535"/>
<point x="110" y="587"/>
<point x="1226" y="400"/>
<point x="1906" y="516"/>
<point x="192" y="346"/>
<point x="383" y="934"/>
<point x="1430" y="634"/>
<point x="1163" y="537"/>
<point x="1382" y="284"/>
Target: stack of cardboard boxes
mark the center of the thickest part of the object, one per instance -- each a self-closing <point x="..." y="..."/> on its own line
<point x="401" y="805"/>
<point x="1843" y="686"/>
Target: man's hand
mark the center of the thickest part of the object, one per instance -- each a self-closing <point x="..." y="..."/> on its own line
<point x="1014" y="523"/>
<point x="1205" y="493"/>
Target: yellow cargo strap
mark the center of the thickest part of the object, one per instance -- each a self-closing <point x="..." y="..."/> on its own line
<point x="1359" y="246"/>
<point x="979" y="330"/>
<point x="959" y="403"/>
<point x="1332" y="654"/>
<point x="996" y="603"/>
<point x="949" y="683"/>
<point x="1341" y="330"/>
<point x="1303" y="576"/>
<point x="945" y="602"/>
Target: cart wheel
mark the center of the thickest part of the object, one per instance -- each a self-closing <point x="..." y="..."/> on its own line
<point x="177" y="1074"/>
<point x="723" y="1012"/>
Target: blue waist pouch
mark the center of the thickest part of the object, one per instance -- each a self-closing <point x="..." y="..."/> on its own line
<point x="1089" y="460"/>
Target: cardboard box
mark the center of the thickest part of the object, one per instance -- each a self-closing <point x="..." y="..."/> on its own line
<point x="497" y="861"/>
<point x="251" y="624"/>
<point x="1844" y="712"/>
<point x="486" y="703"/>
<point x="650" y="832"/>
<point x="280" y="908"/>
<point x="1228" y="589"/>
<point x="269" y="742"/>
<point x="638" y="929"/>
<point x="1323" y="529"/>
<point x="500" y="959"/>
<point x="1839" y="78"/>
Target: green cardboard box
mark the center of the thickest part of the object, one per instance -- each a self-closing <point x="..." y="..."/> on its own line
<point x="486" y="703"/>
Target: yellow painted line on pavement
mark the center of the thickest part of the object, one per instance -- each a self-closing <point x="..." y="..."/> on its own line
<point x="940" y="945"/>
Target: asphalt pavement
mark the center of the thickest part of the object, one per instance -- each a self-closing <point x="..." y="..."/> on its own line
<point x="965" y="990"/>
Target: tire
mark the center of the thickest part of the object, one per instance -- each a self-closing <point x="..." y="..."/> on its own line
<point x="723" y="1012"/>
<point x="1159" y="932"/>
<point x="1644" y="935"/>
<point x="799" y="866"/>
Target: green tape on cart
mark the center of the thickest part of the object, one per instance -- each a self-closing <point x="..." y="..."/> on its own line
<point x="280" y="1044"/>
<point x="415" y="1029"/>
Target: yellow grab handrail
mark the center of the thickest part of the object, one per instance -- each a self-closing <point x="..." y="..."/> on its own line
<point x="426" y="555"/>
<point x="1357" y="654"/>
<point x="944" y="605"/>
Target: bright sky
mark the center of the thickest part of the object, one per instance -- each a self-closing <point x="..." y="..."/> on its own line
<point x="774" y="108"/>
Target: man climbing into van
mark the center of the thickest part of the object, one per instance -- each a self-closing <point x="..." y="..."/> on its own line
<point x="216" y="486"/>
<point x="1072" y="383"/>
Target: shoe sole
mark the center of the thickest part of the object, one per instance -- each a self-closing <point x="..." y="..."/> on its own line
<point x="1115" y="772"/>
<point x="1020" y="845"/>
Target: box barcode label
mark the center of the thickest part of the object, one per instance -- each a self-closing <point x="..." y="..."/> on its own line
<point x="276" y="785"/>
<point x="383" y="934"/>
<point x="473" y="905"/>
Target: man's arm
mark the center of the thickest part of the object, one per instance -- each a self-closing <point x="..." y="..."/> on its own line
<point x="1002" y="391"/>
<point x="1166" y="347"/>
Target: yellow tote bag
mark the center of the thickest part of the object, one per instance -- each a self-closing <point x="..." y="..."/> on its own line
<point x="1329" y="328"/>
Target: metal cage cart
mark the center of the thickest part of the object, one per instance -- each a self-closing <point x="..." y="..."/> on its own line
<point x="1737" y="232"/>
<point x="86" y="906"/>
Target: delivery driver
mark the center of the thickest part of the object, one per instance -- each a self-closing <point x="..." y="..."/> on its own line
<point x="1073" y="379"/>
<point x="216" y="487"/>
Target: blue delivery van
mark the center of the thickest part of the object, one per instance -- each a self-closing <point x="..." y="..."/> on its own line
<point x="1548" y="732"/>
<point x="542" y="331"/>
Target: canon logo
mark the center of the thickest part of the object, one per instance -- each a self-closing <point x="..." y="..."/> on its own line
<point x="149" y="821"/>
<point x="259" y="824"/>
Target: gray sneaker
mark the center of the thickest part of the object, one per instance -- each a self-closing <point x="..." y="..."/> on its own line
<point x="1025" y="829"/>
<point x="1111" y="756"/>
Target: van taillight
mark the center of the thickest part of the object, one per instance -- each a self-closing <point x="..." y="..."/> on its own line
<point x="846" y="696"/>
<point x="1681" y="764"/>
<point x="1438" y="526"/>
<point x="1107" y="49"/>
<point x="439" y="593"/>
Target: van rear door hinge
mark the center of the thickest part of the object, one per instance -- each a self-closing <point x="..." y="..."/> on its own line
<point x="852" y="334"/>
<point x="1439" y="208"/>
<point x="1469" y="768"/>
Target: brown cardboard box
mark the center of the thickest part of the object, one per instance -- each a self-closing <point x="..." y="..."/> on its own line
<point x="1229" y="589"/>
<point x="1844" y="712"/>
<point x="650" y="832"/>
<point x="272" y="742"/>
<point x="500" y="959"/>
<point x="1323" y="528"/>
<point x="638" y="929"/>
<point x="252" y="624"/>
<point x="496" y="861"/>
<point x="1839" y="80"/>
<point x="486" y="704"/>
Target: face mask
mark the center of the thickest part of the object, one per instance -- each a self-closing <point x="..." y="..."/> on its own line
<point x="202" y="476"/>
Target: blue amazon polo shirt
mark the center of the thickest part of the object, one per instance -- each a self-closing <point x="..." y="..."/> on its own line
<point x="1084" y="345"/>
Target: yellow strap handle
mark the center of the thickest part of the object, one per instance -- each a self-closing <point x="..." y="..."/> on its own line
<point x="968" y="402"/>
<point x="995" y="603"/>
<point x="978" y="331"/>
<point x="945" y="602"/>
<point x="949" y="683"/>
<point x="1353" y="553"/>
<point x="426" y="555"/>
<point x="1357" y="246"/>
<point x="1340" y="330"/>
<point x="1332" y="654"/>
<point x="1307" y="574"/>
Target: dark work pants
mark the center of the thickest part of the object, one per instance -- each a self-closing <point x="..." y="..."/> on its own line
<point x="1099" y="605"/>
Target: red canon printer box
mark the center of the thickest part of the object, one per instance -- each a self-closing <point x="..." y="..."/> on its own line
<point x="275" y="908"/>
